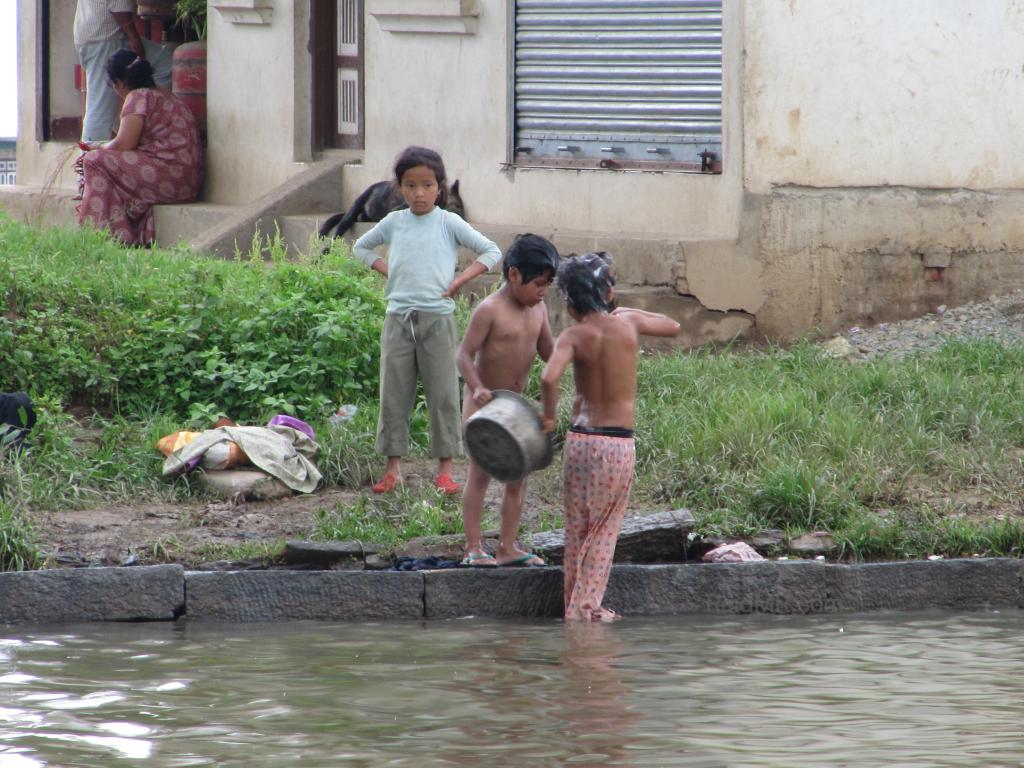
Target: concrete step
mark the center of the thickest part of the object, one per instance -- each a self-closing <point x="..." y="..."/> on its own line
<point x="183" y="223"/>
<point x="300" y="231"/>
<point x="39" y="207"/>
<point x="186" y="223"/>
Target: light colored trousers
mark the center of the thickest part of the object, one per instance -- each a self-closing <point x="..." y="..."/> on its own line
<point x="598" y="475"/>
<point x="419" y="345"/>
<point x="101" y="103"/>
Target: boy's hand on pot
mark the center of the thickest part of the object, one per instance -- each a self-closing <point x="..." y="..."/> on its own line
<point x="482" y="396"/>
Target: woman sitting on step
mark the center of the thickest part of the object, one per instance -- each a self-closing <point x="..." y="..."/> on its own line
<point x="156" y="156"/>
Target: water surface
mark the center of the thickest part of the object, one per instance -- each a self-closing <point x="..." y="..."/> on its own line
<point x="865" y="690"/>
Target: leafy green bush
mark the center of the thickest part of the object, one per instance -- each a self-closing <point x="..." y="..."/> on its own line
<point x="164" y="331"/>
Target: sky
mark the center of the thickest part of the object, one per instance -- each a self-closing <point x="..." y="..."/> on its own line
<point x="8" y="69"/>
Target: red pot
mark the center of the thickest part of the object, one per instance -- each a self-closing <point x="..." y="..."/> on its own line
<point x="188" y="80"/>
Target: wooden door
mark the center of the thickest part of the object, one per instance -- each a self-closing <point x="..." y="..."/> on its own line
<point x="337" y="34"/>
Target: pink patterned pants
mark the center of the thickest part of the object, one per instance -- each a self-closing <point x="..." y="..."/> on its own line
<point x="598" y="477"/>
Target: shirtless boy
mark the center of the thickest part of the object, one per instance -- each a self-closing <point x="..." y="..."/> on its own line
<point x="599" y="450"/>
<point x="506" y="330"/>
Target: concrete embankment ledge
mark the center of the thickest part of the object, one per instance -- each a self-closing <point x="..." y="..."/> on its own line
<point x="169" y="592"/>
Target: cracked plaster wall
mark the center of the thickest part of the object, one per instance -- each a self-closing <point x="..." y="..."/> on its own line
<point x="836" y="257"/>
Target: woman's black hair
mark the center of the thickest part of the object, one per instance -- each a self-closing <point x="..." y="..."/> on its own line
<point x="532" y="255"/>
<point x="414" y="156"/>
<point x="585" y="282"/>
<point x="131" y="69"/>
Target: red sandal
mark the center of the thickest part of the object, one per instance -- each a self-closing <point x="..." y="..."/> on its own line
<point x="447" y="485"/>
<point x="386" y="484"/>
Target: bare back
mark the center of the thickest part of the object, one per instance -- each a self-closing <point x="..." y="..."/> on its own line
<point x="604" y="366"/>
<point x="602" y="348"/>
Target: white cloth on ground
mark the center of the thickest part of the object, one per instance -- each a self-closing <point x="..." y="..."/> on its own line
<point x="282" y="452"/>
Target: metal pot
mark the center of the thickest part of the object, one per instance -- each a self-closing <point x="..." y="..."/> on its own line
<point x="506" y="437"/>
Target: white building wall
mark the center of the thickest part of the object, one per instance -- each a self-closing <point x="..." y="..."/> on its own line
<point x="44" y="164"/>
<point x="258" y="101"/>
<point x="854" y="93"/>
<point x="450" y="92"/>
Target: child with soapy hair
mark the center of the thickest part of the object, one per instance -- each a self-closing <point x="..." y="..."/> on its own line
<point x="602" y="347"/>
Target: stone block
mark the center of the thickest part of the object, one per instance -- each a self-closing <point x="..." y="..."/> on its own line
<point x="699" y="324"/>
<point x="812" y="544"/>
<point x="143" y="593"/>
<point x="765" y="586"/>
<point x="325" y="554"/>
<point x="291" y="595"/>
<point x="960" y="584"/>
<point x="721" y="275"/>
<point x="449" y="546"/>
<point x="771" y="538"/>
<point x="660" y="537"/>
<point x="493" y="592"/>
<point x="643" y="261"/>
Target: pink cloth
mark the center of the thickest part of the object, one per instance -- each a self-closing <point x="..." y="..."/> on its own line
<point x="122" y="186"/>
<point x="598" y="478"/>
<point x="737" y="552"/>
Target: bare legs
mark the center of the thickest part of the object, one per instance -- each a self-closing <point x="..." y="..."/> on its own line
<point x="477" y="483"/>
<point x="473" y="508"/>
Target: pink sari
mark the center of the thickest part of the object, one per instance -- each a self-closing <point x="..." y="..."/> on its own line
<point x="122" y="186"/>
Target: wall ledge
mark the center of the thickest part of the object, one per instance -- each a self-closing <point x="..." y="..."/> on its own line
<point x="446" y="17"/>
<point x="245" y="11"/>
<point x="168" y="592"/>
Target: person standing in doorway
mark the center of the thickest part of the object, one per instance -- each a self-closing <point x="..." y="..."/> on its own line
<point x="102" y="28"/>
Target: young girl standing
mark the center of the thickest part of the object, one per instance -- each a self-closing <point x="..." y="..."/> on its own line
<point x="419" y="334"/>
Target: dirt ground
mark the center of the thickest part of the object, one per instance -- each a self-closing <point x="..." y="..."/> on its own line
<point x="198" y="534"/>
<point x="186" y="533"/>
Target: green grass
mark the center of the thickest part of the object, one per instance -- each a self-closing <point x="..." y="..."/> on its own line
<point x="392" y="519"/>
<point x="897" y="459"/>
<point x="18" y="544"/>
<point x="795" y="440"/>
<point x="71" y="465"/>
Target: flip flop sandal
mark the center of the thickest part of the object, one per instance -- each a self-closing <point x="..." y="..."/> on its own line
<point x="479" y="560"/>
<point x="525" y="561"/>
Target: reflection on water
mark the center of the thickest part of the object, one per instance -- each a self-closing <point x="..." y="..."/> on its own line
<point x="907" y="689"/>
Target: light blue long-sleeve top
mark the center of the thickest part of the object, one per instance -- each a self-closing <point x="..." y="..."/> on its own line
<point x="421" y="258"/>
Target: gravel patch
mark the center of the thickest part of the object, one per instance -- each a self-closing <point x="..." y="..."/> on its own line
<point x="1000" y="318"/>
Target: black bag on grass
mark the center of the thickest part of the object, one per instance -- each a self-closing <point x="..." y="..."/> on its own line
<point x="17" y="417"/>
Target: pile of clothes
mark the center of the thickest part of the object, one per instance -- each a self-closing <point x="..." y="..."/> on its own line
<point x="251" y="462"/>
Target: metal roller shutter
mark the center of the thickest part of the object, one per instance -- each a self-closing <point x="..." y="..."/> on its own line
<point x="627" y="82"/>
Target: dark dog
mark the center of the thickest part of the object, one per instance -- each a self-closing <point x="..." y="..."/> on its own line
<point x="376" y="202"/>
